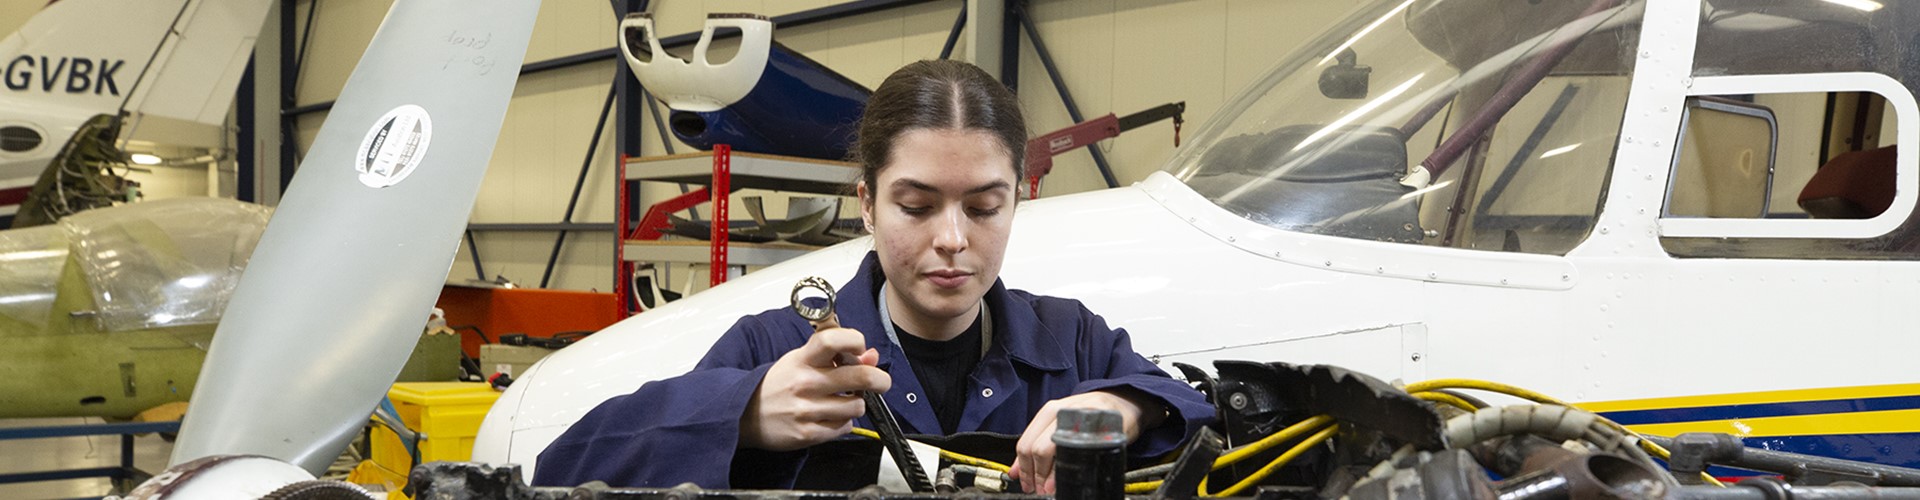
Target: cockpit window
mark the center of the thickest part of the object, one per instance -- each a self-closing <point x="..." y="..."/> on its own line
<point x="1483" y="124"/>
<point x="1836" y="159"/>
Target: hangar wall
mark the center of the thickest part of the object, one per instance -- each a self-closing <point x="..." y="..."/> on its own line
<point x="1116" y="56"/>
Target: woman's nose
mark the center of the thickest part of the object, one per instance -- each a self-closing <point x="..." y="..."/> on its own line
<point x="950" y="232"/>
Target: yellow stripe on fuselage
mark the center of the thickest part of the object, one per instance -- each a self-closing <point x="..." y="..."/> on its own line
<point x="1866" y="422"/>
<point x="1747" y="398"/>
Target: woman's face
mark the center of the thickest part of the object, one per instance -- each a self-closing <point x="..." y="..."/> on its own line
<point x="941" y="209"/>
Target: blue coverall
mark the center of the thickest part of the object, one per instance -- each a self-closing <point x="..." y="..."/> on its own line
<point x="686" y="428"/>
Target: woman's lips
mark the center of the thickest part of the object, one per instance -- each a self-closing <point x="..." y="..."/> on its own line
<point x="948" y="279"/>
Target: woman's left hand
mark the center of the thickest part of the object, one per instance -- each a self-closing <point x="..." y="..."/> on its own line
<point x="1034" y="464"/>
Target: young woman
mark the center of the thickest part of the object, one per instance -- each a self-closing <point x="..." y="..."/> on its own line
<point x="952" y="349"/>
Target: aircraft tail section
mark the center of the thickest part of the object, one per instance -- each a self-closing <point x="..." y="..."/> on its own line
<point x="157" y="56"/>
<point x="84" y="54"/>
<point x="194" y="74"/>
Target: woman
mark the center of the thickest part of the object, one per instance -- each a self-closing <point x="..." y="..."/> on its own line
<point x="952" y="349"/>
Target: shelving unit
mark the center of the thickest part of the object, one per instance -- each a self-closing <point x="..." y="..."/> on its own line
<point x="721" y="171"/>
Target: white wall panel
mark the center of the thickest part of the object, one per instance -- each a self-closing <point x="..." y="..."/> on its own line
<point x="341" y="33"/>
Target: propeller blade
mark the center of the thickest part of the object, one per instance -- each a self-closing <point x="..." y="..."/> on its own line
<point x="341" y="283"/>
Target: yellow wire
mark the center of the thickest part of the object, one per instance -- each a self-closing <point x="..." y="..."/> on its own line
<point x="1461" y="383"/>
<point x="1427" y="390"/>
<point x="1447" y="399"/>
<point x="1275" y="465"/>
<point x="1241" y="453"/>
<point x="950" y="456"/>
<point x="1516" y="391"/>
<point x="1269" y="442"/>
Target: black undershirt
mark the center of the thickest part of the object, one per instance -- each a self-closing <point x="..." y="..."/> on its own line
<point x="943" y="368"/>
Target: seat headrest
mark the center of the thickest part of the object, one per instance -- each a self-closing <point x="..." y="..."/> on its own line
<point x="1854" y="185"/>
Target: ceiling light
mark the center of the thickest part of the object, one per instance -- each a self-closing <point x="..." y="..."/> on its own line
<point x="145" y="159"/>
<point x="1863" y="5"/>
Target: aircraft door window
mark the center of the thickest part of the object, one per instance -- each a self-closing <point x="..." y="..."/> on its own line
<point x="1841" y="85"/>
<point x="1793" y="167"/>
<point x="1726" y="161"/>
<point x="19" y="139"/>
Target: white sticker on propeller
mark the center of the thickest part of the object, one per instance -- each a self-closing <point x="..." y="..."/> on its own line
<point x="394" y="146"/>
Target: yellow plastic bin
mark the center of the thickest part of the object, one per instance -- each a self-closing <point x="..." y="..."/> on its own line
<point x="448" y="414"/>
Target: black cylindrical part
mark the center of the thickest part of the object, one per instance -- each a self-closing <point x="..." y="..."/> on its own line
<point x="1090" y="459"/>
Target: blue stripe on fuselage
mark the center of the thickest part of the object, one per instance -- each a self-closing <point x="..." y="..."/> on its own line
<point x="1730" y="412"/>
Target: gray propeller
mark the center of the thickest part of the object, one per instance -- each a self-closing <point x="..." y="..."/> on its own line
<point x="342" y="281"/>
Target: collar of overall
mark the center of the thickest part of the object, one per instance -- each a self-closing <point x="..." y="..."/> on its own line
<point x="986" y="324"/>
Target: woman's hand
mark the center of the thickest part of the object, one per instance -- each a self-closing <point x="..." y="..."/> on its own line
<point x="1034" y="464"/>
<point x="808" y="397"/>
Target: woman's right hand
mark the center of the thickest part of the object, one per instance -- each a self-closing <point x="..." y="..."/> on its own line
<point x="809" y="397"/>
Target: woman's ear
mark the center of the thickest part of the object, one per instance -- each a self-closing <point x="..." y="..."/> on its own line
<point x="866" y="203"/>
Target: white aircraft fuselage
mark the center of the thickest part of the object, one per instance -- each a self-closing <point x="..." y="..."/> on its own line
<point x="1628" y="317"/>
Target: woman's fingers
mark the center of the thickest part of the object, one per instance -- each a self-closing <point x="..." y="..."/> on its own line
<point x="806" y="398"/>
<point x="1035" y="450"/>
<point x="830" y="348"/>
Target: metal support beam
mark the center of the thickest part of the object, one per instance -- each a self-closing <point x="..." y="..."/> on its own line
<point x="987" y="20"/>
<point x="953" y="34"/>
<point x="473" y="250"/>
<point x="1066" y="97"/>
<point x="244" y="164"/>
<point x="627" y="142"/>
<point x="289" y="76"/>
<point x="579" y="182"/>
<point x="1010" y="43"/>
<point x="296" y="111"/>
<point x="540" y="227"/>
<point x="608" y="54"/>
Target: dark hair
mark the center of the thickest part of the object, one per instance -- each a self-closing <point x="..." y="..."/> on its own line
<point x="937" y="95"/>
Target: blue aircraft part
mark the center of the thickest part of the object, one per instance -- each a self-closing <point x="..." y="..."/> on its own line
<point x="798" y="108"/>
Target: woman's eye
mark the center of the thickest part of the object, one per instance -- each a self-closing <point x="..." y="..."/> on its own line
<point x="984" y="212"/>
<point x="913" y="210"/>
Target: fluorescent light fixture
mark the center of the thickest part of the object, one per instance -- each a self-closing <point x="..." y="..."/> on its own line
<point x="1863" y="5"/>
<point x="1560" y="150"/>
<point x="145" y="159"/>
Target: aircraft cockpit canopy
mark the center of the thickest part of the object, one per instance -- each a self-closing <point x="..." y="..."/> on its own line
<point x="162" y="263"/>
<point x="1373" y="130"/>
<point x="1492" y="124"/>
